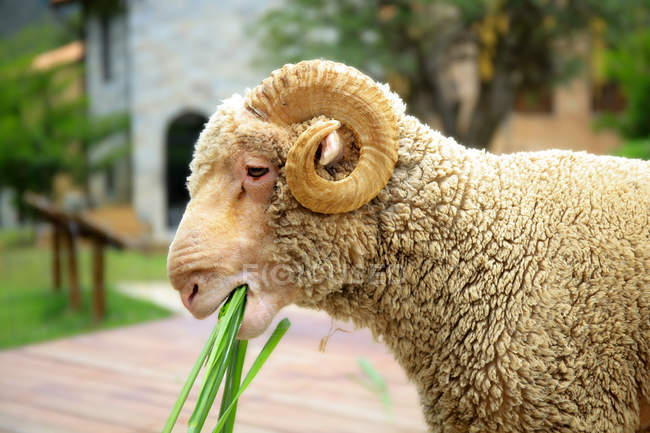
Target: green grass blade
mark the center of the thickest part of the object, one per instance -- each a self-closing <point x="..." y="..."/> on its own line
<point x="217" y="368"/>
<point x="270" y="345"/>
<point x="205" y="400"/>
<point x="226" y="315"/>
<point x="229" y="391"/>
<point x="173" y="416"/>
<point x="377" y="381"/>
<point x="372" y="374"/>
<point x="233" y="382"/>
<point x="212" y="376"/>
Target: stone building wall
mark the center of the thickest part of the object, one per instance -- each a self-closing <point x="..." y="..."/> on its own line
<point x="108" y="94"/>
<point x="186" y="56"/>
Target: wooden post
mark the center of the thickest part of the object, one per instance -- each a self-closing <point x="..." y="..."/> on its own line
<point x="98" y="279"/>
<point x="56" y="257"/>
<point x="67" y="228"/>
<point x="73" y="277"/>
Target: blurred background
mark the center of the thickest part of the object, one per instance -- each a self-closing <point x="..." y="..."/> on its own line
<point x="100" y="105"/>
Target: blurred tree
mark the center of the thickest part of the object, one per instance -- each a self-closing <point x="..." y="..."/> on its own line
<point x="630" y="67"/>
<point x="44" y="126"/>
<point x="418" y="46"/>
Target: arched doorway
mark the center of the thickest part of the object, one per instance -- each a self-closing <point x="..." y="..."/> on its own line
<point x="181" y="136"/>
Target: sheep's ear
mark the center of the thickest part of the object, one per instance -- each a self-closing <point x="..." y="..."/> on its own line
<point x="331" y="149"/>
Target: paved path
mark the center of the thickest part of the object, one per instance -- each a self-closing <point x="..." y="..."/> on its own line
<point x="158" y="292"/>
<point x="126" y="381"/>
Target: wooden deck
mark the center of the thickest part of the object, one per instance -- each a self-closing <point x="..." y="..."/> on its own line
<point x="126" y="381"/>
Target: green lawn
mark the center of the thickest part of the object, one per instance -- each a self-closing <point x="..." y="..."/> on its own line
<point x="639" y="148"/>
<point x="31" y="311"/>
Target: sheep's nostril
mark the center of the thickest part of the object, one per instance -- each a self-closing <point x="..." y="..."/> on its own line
<point x="195" y="290"/>
<point x="188" y="294"/>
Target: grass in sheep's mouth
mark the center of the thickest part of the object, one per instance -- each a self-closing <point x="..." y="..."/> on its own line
<point x="226" y="301"/>
<point x="223" y="355"/>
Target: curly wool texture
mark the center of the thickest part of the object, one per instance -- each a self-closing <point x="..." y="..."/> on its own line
<point x="514" y="289"/>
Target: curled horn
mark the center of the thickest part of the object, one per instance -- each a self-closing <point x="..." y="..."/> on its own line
<point x="296" y="93"/>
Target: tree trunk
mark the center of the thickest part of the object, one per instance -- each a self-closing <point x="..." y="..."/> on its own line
<point x="495" y="101"/>
<point x="431" y="82"/>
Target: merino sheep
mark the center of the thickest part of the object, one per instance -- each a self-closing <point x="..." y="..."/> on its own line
<point x="513" y="289"/>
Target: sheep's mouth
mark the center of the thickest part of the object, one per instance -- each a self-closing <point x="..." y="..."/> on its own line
<point x="202" y="302"/>
<point x="225" y="300"/>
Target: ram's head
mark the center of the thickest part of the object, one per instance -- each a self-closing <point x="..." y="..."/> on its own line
<point x="276" y="139"/>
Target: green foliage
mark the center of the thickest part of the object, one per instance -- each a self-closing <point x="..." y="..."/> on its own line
<point x="44" y="124"/>
<point x="410" y="43"/>
<point x="30" y="311"/>
<point x="375" y="382"/>
<point x="28" y="157"/>
<point x="32" y="149"/>
<point x="33" y="39"/>
<point x="16" y="237"/>
<point x="346" y="31"/>
<point x="383" y="36"/>
<point x="635" y="149"/>
<point x="105" y="7"/>
<point x="629" y="66"/>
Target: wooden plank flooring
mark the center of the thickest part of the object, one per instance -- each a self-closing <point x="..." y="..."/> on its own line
<point x="126" y="381"/>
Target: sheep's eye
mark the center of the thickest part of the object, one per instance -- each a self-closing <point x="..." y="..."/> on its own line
<point x="257" y="171"/>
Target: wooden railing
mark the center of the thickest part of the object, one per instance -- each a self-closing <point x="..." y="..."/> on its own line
<point x="66" y="229"/>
